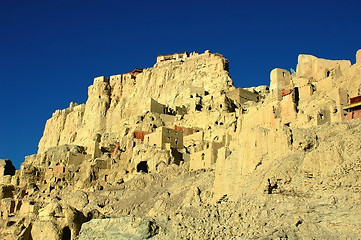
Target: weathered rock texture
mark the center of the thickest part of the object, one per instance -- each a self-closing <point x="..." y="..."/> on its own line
<point x="118" y="228"/>
<point x="177" y="152"/>
<point x="113" y="101"/>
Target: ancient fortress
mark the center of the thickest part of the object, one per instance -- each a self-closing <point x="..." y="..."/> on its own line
<point x="176" y="151"/>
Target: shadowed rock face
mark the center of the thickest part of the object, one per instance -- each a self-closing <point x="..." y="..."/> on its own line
<point x="177" y="152"/>
<point x="6" y="167"/>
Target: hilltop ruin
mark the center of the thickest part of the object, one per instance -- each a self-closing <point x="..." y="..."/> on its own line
<point x="151" y="146"/>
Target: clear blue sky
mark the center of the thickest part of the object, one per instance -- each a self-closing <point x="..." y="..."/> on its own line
<point x="50" y="51"/>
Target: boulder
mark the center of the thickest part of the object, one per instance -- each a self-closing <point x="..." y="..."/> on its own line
<point x="118" y="228"/>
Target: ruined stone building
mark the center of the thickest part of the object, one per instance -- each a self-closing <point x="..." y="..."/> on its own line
<point x="174" y="56"/>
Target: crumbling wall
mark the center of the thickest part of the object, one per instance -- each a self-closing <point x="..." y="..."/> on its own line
<point x="318" y="68"/>
<point x="241" y="95"/>
<point x="164" y="136"/>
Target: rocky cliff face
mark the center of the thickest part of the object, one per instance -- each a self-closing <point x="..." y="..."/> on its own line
<point x="176" y="151"/>
<point x="113" y="101"/>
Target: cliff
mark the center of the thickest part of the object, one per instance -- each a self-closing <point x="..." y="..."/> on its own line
<point x="113" y="101"/>
<point x="176" y="151"/>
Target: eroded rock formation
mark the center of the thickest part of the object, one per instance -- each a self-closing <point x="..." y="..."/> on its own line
<point x="176" y="151"/>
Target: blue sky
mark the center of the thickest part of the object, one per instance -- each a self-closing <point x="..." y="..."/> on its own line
<point x="50" y="51"/>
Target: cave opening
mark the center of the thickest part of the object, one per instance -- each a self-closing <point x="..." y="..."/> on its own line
<point x="142" y="167"/>
<point x="66" y="235"/>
